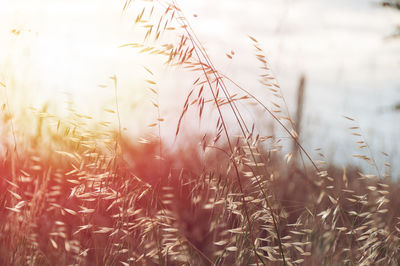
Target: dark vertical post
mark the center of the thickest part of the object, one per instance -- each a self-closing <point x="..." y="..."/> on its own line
<point x="299" y="114"/>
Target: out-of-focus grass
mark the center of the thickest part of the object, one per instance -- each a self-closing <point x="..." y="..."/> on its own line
<point x="76" y="204"/>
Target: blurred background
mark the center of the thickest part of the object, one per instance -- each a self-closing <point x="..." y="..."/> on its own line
<point x="62" y="53"/>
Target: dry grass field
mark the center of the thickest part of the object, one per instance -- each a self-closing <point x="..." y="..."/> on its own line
<point x="74" y="191"/>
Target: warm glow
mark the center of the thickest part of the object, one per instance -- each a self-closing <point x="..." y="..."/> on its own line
<point x="56" y="52"/>
<point x="229" y="132"/>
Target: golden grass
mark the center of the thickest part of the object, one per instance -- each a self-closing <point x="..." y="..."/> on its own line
<point x="79" y="194"/>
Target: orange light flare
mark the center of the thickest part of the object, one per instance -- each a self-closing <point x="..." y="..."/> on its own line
<point x="73" y="103"/>
<point x="88" y="125"/>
